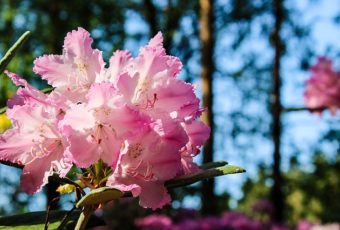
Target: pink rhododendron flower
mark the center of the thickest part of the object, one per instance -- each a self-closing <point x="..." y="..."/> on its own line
<point x="323" y="88"/>
<point x="148" y="161"/>
<point x="135" y="116"/>
<point x="97" y="128"/>
<point x="34" y="140"/>
<point x="74" y="71"/>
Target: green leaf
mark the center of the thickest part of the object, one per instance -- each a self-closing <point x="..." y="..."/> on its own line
<point x="99" y="195"/>
<point x="213" y="164"/>
<point x="12" y="51"/>
<point x="203" y="175"/>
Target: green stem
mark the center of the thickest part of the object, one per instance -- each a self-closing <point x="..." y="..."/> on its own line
<point x="98" y="169"/>
<point x="213" y="164"/>
<point x="84" y="218"/>
<point x="298" y="109"/>
<point x="12" y="51"/>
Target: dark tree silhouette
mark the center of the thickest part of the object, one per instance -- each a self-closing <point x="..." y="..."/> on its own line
<point x="207" y="71"/>
<point x="276" y="192"/>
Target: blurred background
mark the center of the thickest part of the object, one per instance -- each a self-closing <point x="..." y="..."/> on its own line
<point x="250" y="57"/>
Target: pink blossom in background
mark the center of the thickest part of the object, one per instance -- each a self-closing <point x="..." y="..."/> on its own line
<point x="154" y="222"/>
<point x="323" y="88"/>
<point x="263" y="206"/>
<point x="238" y="220"/>
<point x="304" y="225"/>
<point x="134" y="115"/>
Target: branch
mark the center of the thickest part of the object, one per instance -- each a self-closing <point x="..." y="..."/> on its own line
<point x="105" y="194"/>
<point x="12" y="51"/>
<point x="298" y="109"/>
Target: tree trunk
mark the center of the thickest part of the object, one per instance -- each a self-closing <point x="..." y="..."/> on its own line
<point x="207" y="64"/>
<point x="276" y="192"/>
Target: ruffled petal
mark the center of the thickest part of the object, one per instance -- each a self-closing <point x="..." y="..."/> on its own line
<point x="76" y="69"/>
<point x="118" y="65"/>
<point x="35" y="174"/>
<point x="83" y="149"/>
<point x="26" y="95"/>
<point x="54" y="69"/>
<point x="154" y="195"/>
<point x="198" y="132"/>
<point x="79" y="118"/>
<point x="173" y="95"/>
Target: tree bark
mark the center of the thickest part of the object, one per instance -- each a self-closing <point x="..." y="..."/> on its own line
<point x="209" y="203"/>
<point x="276" y="191"/>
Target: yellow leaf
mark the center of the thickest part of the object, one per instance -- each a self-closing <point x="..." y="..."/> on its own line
<point x="66" y="188"/>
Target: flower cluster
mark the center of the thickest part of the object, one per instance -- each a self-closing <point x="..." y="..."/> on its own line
<point x="135" y="116"/>
<point x="323" y="88"/>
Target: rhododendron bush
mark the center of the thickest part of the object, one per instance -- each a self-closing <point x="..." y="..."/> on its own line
<point x="323" y="88"/>
<point x="129" y="126"/>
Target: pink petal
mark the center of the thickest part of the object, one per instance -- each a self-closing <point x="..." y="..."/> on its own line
<point x="83" y="149"/>
<point x="36" y="173"/>
<point x="54" y="69"/>
<point x="28" y="94"/>
<point x="154" y="195"/>
<point x="118" y="64"/>
<point x="198" y="133"/>
<point x="101" y="94"/>
<point x="174" y="95"/>
<point x="14" y="146"/>
<point x="127" y="85"/>
<point x="151" y="194"/>
<point x="78" y="43"/>
<point x="110" y="146"/>
<point x="76" y="69"/>
<point x="79" y="118"/>
<point x="156" y="41"/>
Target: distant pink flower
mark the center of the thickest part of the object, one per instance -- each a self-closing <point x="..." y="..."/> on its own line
<point x="237" y="220"/>
<point x="154" y="222"/>
<point x="323" y="88"/>
<point x="304" y="225"/>
<point x="263" y="206"/>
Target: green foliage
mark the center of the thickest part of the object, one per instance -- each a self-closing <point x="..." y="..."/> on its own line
<point x="12" y="51"/>
<point x="203" y="175"/>
<point x="36" y="220"/>
<point x="309" y="195"/>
